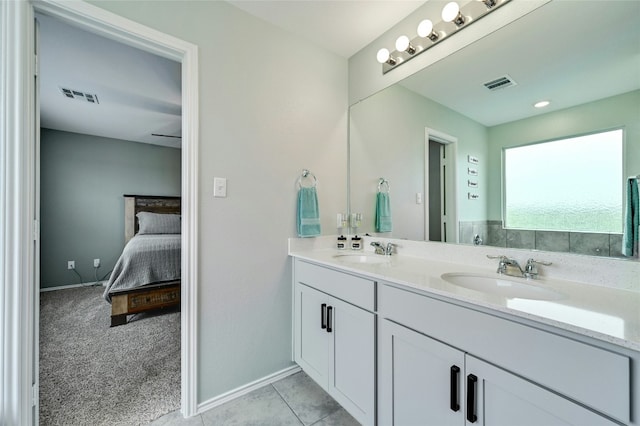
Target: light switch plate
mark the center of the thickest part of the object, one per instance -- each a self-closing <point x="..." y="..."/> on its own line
<point x="219" y="187"/>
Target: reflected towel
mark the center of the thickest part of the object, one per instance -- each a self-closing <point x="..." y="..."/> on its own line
<point x="383" y="212"/>
<point x="631" y="219"/>
<point x="308" y="219"/>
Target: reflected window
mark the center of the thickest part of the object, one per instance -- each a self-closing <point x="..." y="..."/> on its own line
<point x="570" y="184"/>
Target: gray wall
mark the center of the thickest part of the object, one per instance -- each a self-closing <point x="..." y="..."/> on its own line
<point x="271" y="104"/>
<point x="387" y="139"/>
<point x="82" y="180"/>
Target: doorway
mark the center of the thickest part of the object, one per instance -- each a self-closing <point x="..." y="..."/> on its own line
<point x="437" y="197"/>
<point x="441" y="215"/>
<point x="18" y="26"/>
<point x="91" y="153"/>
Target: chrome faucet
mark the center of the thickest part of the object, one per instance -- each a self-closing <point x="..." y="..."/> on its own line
<point x="508" y="266"/>
<point x="531" y="269"/>
<point x="381" y="249"/>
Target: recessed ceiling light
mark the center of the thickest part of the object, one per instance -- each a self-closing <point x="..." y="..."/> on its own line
<point x="541" y="104"/>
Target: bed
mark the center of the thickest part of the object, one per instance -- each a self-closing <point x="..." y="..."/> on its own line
<point x="147" y="275"/>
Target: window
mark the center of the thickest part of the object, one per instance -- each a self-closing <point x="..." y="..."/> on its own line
<point x="568" y="184"/>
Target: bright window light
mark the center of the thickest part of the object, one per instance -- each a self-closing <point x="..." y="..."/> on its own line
<point x="571" y="184"/>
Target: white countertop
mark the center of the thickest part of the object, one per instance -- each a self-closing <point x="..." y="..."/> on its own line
<point x="603" y="313"/>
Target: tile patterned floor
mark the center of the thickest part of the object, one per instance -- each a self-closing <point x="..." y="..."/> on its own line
<point x="296" y="400"/>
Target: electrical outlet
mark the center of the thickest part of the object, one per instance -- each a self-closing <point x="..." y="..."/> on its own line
<point x="96" y="263"/>
<point x="71" y="264"/>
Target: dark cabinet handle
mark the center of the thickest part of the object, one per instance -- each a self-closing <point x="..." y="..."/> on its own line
<point x="455" y="406"/>
<point x="323" y="316"/>
<point x="329" y="312"/>
<point x="471" y="398"/>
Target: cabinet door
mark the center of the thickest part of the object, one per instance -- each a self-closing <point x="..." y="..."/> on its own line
<point x="311" y="339"/>
<point x="352" y="360"/>
<point x="420" y="379"/>
<point x="502" y="398"/>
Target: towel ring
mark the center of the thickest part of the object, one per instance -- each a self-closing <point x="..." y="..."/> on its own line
<point x="307" y="174"/>
<point x="382" y="182"/>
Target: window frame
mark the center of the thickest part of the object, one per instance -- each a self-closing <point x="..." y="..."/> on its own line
<point x="503" y="183"/>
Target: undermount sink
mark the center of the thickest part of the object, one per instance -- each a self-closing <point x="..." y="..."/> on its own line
<point x="361" y="258"/>
<point x="513" y="288"/>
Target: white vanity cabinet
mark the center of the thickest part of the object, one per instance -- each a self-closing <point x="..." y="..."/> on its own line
<point x="334" y="335"/>
<point x="420" y="379"/>
<point x="425" y="382"/>
<point x="505" y="373"/>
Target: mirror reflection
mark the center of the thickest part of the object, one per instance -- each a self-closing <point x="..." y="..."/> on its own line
<point x="438" y="137"/>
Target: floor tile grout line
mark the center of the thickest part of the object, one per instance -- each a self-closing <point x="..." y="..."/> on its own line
<point x="289" y="406"/>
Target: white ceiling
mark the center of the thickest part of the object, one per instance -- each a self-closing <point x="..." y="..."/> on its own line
<point x="139" y="93"/>
<point x="567" y="52"/>
<point x="341" y="26"/>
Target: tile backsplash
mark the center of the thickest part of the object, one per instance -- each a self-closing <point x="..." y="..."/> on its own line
<point x="493" y="234"/>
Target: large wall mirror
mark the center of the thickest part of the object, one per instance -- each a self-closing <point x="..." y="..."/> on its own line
<point x="438" y="137"/>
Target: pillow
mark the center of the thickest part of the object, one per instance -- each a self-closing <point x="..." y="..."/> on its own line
<point x="156" y="223"/>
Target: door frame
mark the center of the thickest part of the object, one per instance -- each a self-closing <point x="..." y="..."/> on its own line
<point x="19" y="155"/>
<point x="451" y="154"/>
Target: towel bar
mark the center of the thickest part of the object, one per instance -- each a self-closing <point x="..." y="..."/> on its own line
<point x="383" y="181"/>
<point x="307" y="174"/>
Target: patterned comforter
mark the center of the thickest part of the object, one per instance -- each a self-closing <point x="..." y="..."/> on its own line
<point x="146" y="259"/>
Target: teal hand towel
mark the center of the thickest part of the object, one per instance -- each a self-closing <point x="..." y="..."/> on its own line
<point x="631" y="219"/>
<point x="308" y="218"/>
<point x="383" y="212"/>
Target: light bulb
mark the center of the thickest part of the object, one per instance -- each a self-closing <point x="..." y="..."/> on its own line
<point x="425" y="28"/>
<point x="402" y="43"/>
<point x="383" y="55"/>
<point x="450" y="11"/>
<point x="541" y="104"/>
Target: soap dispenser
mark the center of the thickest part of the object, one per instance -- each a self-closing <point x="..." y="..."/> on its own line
<point x="342" y="242"/>
<point x="356" y="243"/>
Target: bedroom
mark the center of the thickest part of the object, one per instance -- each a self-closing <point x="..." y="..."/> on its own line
<point x="91" y="154"/>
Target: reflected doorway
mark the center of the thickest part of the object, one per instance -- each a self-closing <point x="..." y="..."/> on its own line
<point x="437" y="192"/>
<point x="441" y="216"/>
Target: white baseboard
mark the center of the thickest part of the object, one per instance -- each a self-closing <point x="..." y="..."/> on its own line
<point x="245" y="389"/>
<point x="64" y="287"/>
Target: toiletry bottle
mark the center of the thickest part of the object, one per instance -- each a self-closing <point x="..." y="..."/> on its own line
<point x="342" y="242"/>
<point x="356" y="243"/>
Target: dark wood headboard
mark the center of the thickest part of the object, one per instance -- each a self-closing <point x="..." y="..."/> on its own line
<point x="133" y="204"/>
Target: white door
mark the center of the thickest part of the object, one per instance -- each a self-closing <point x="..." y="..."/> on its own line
<point x="312" y="338"/>
<point x="497" y="397"/>
<point x="420" y="380"/>
<point x="352" y="360"/>
<point x="36" y="231"/>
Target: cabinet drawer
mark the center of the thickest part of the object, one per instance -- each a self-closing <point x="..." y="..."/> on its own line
<point x="350" y="288"/>
<point x="592" y="376"/>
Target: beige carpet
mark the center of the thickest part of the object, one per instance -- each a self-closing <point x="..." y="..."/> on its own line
<point x="91" y="374"/>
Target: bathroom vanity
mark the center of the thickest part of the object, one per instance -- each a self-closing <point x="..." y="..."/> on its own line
<point x="395" y="343"/>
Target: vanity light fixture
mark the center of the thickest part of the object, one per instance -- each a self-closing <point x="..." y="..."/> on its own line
<point x="489" y="3"/>
<point x="541" y="104"/>
<point x="425" y="29"/>
<point x="430" y="33"/>
<point x="451" y="13"/>
<point x="403" y="44"/>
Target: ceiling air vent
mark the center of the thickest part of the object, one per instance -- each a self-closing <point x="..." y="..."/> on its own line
<point x="500" y="83"/>
<point x="166" y="136"/>
<point x="78" y="95"/>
